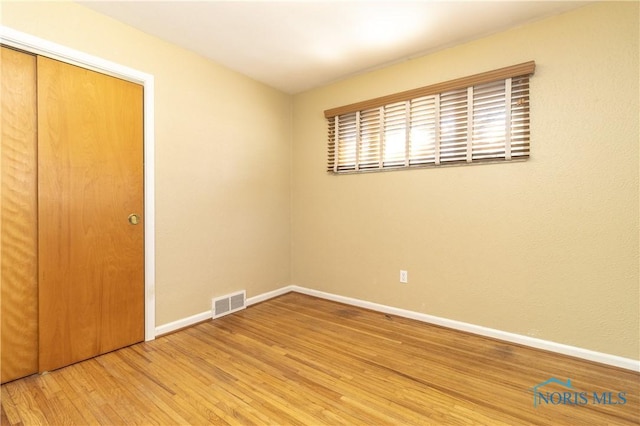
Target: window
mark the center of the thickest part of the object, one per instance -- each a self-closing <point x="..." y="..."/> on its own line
<point x="484" y="117"/>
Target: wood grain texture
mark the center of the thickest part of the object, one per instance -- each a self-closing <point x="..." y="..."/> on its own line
<point x="298" y="360"/>
<point x="19" y="286"/>
<point x="526" y="68"/>
<point x="91" y="274"/>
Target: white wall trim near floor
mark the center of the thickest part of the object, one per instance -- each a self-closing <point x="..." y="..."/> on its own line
<point x="602" y="358"/>
<point x="207" y="315"/>
<point x="182" y="323"/>
<point x="38" y="46"/>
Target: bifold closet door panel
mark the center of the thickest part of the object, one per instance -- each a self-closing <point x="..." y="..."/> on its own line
<point x="19" y="286"/>
<point x="90" y="201"/>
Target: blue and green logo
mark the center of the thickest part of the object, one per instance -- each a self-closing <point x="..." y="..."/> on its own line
<point x="570" y="396"/>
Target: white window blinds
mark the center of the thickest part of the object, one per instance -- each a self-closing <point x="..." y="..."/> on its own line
<point x="484" y="117"/>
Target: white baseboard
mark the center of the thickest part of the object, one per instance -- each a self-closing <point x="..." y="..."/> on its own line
<point x="602" y="358"/>
<point x="203" y="316"/>
<point x="182" y="323"/>
<point x="270" y="295"/>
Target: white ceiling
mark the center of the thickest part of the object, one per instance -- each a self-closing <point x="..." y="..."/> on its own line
<point x="298" y="45"/>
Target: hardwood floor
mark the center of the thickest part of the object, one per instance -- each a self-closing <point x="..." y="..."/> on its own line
<point x="298" y="360"/>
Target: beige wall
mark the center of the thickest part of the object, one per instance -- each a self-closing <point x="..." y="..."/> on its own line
<point x="546" y="248"/>
<point x="222" y="185"/>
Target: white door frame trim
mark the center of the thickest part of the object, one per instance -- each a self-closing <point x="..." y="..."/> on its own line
<point x="29" y="43"/>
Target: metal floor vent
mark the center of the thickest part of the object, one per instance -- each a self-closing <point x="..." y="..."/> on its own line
<point x="228" y="304"/>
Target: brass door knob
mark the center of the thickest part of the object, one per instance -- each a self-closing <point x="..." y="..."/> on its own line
<point x="134" y="219"/>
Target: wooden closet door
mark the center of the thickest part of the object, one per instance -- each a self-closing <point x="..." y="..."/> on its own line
<point x="19" y="284"/>
<point x="91" y="257"/>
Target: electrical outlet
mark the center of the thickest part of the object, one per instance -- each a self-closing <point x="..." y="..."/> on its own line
<point x="404" y="276"/>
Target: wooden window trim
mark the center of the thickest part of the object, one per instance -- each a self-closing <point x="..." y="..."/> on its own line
<point x="525" y="68"/>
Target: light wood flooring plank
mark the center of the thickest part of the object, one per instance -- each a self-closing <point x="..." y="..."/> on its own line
<point x="299" y="360"/>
